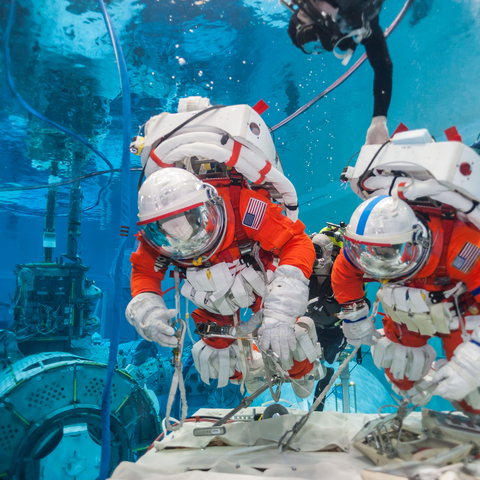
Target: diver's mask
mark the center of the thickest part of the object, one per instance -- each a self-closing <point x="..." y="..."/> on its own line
<point x="315" y="30"/>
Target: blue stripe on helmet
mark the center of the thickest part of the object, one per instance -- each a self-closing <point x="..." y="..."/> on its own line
<point x="347" y="257"/>
<point x="366" y="213"/>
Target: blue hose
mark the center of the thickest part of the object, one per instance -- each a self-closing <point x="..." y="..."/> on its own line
<point x="125" y="220"/>
<point x="6" y="50"/>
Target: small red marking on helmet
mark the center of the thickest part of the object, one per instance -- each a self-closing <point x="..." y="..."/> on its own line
<point x="453" y="135"/>
<point x="465" y="169"/>
<point x="401" y="128"/>
<point x="260" y="107"/>
<point x="372" y="244"/>
<point x="170" y="214"/>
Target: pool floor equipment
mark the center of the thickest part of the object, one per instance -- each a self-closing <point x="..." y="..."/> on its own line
<point x="50" y="423"/>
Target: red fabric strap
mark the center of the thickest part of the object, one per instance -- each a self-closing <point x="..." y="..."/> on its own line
<point x="158" y="161"/>
<point x="263" y="172"/>
<point x="235" y="153"/>
<point x="401" y="187"/>
<point x="227" y="256"/>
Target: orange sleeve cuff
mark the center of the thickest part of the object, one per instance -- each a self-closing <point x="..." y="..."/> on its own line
<point x="144" y="277"/>
<point x="347" y="280"/>
<point x="299" y="252"/>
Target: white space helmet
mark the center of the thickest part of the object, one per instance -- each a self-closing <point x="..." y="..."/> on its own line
<point x="385" y="239"/>
<point x="180" y="216"/>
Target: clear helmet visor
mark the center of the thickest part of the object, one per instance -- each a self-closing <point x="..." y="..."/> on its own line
<point x="188" y="234"/>
<point x="385" y="261"/>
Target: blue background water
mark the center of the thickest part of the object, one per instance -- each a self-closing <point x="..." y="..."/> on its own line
<point x="233" y="52"/>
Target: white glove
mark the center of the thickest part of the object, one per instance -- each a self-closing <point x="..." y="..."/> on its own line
<point x="277" y="335"/>
<point x="248" y="327"/>
<point x="286" y="300"/>
<point x="458" y="377"/>
<point x="377" y="133"/>
<point x="418" y="394"/>
<point x="151" y="318"/>
<point x="358" y="327"/>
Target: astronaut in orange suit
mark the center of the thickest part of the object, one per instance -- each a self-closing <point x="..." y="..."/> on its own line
<point x="236" y="250"/>
<point x="428" y="264"/>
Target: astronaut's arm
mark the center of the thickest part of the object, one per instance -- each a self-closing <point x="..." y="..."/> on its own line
<point x="147" y="311"/>
<point x="461" y="374"/>
<point x="144" y="278"/>
<point x="299" y="252"/>
<point x="347" y="280"/>
<point x="287" y="294"/>
<point x="463" y="259"/>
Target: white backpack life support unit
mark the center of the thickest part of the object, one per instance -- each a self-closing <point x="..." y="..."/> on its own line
<point x="233" y="135"/>
<point x="417" y="166"/>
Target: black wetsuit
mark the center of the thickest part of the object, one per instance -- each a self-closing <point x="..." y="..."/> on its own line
<point x="322" y="312"/>
<point x="375" y="48"/>
<point x="354" y="13"/>
<point x="379" y="58"/>
<point x="331" y="337"/>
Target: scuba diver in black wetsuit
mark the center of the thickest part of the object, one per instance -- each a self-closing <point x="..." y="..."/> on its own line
<point x="323" y="308"/>
<point x="340" y="25"/>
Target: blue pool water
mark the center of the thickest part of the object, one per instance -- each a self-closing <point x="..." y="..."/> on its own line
<point x="63" y="65"/>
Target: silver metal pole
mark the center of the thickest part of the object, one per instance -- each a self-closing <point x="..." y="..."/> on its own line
<point x="345" y="378"/>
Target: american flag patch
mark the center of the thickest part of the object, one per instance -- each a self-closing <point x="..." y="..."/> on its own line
<point x="465" y="260"/>
<point x="254" y="214"/>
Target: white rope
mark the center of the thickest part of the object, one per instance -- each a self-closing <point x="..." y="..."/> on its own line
<point x="164" y="421"/>
<point x="242" y="355"/>
<point x="177" y="379"/>
<point x="177" y="382"/>
<point x="187" y="320"/>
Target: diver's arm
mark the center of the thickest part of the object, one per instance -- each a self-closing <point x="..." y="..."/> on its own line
<point x="379" y="58"/>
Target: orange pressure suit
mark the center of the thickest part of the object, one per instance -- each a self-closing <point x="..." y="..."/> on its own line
<point x="282" y="242"/>
<point x="454" y="258"/>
